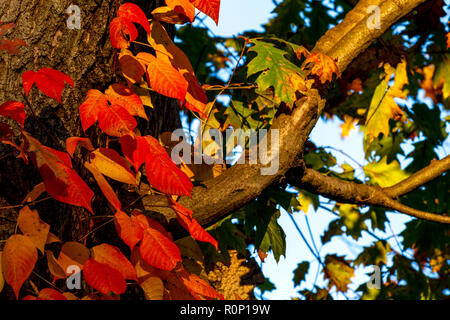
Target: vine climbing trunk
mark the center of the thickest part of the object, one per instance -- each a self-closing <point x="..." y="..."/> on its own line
<point x="86" y="55"/>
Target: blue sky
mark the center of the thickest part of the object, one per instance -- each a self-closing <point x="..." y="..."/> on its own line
<point x="237" y="16"/>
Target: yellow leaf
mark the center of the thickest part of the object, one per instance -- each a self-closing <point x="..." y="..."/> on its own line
<point x="347" y="126"/>
<point x="153" y="288"/>
<point x="383" y="107"/>
<point x="33" y="227"/>
<point x="339" y="272"/>
<point x="112" y="165"/>
<point x="384" y="174"/>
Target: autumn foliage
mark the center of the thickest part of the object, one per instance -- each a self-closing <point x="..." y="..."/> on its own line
<point x="156" y="257"/>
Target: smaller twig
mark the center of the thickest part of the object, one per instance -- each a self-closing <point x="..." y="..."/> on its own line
<point x="95" y="229"/>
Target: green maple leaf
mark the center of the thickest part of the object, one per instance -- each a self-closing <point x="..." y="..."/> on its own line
<point x="275" y="71"/>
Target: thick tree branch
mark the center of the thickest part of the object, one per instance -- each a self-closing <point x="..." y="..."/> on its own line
<point x="354" y="193"/>
<point x="243" y="182"/>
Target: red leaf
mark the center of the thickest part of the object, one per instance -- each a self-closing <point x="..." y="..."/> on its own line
<point x="113" y="120"/>
<point x="158" y="250"/>
<point x="49" y="81"/>
<point x="61" y="181"/>
<point x="209" y="7"/>
<point x="33" y="227"/>
<point x="196" y="98"/>
<point x="106" y="188"/>
<point x="103" y="278"/>
<point x="112" y="256"/>
<point x="117" y="122"/>
<point x="133" y="13"/>
<point x="96" y="102"/>
<point x="121" y="32"/>
<point x="128" y="228"/>
<point x="162" y="172"/>
<point x="50" y="294"/>
<point x="14" y="110"/>
<point x="4" y="27"/>
<point x="18" y="261"/>
<point x="184" y="217"/>
<point x="73" y="142"/>
<point x="11" y="45"/>
<point x="197" y="285"/>
<point x="125" y="97"/>
<point x="166" y="80"/>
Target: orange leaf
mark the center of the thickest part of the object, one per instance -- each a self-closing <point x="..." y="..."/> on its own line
<point x="2" y="279"/>
<point x="54" y="267"/>
<point x="73" y="254"/>
<point x="35" y="193"/>
<point x="157" y="249"/>
<point x="120" y="95"/>
<point x="183" y="7"/>
<point x="195" y="99"/>
<point x="128" y="229"/>
<point x="112" y="165"/>
<point x="33" y="227"/>
<point x="96" y="102"/>
<point x="50" y="294"/>
<point x="169" y="15"/>
<point x="73" y="142"/>
<point x="49" y="81"/>
<point x="197" y="285"/>
<point x="166" y="80"/>
<point x="14" y="110"/>
<point x="186" y="220"/>
<point x="162" y="172"/>
<point x="61" y="181"/>
<point x="18" y="261"/>
<point x="209" y="7"/>
<point x="112" y="256"/>
<point x="106" y="188"/>
<point x="103" y="278"/>
<point x="324" y="66"/>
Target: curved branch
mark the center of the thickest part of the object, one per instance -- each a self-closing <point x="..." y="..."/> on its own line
<point x="244" y="182"/>
<point x="354" y="193"/>
<point x="421" y="177"/>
